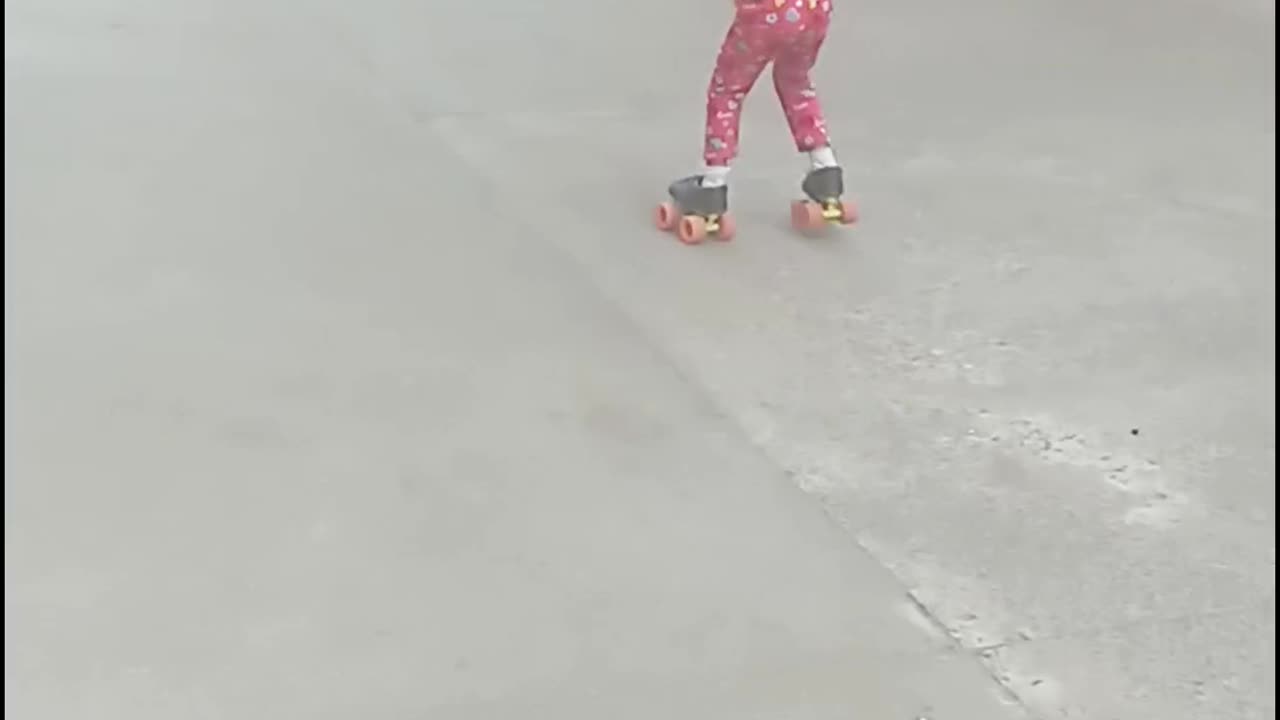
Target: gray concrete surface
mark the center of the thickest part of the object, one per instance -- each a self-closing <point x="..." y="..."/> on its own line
<point x="344" y="378"/>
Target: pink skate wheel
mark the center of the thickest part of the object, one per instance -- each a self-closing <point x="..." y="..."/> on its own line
<point x="691" y="230"/>
<point x="848" y="212"/>
<point x="665" y="216"/>
<point x="728" y="228"/>
<point x="805" y="215"/>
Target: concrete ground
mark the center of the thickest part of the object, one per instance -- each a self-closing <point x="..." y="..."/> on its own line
<point x="345" y="379"/>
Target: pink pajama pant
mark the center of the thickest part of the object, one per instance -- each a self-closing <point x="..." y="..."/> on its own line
<point x="788" y="33"/>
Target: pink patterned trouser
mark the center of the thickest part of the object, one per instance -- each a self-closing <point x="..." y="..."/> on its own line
<point x="788" y="33"/>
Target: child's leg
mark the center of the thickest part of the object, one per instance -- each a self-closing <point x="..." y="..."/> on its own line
<point x="796" y="92"/>
<point x="742" y="58"/>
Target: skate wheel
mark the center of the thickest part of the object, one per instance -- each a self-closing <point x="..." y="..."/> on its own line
<point x="728" y="228"/>
<point x="805" y="215"/>
<point x="691" y="230"/>
<point x="665" y="216"/>
<point x="848" y="213"/>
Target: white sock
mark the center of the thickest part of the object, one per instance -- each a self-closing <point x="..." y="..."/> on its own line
<point x="823" y="157"/>
<point x="715" y="176"/>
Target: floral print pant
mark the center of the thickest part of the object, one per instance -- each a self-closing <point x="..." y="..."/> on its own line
<point x="788" y="33"/>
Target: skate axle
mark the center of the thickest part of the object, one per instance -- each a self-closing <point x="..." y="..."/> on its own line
<point x="832" y="211"/>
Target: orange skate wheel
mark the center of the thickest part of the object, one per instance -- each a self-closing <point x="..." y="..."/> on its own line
<point x="848" y="213"/>
<point x="728" y="228"/>
<point x="666" y="216"/>
<point x="692" y="230"/>
<point x="805" y="215"/>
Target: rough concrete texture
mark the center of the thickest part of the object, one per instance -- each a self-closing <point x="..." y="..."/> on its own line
<point x="344" y="377"/>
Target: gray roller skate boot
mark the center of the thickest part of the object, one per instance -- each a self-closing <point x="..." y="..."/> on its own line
<point x="695" y="212"/>
<point x="824" y="188"/>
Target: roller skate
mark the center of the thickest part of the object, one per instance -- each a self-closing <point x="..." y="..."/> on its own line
<point x="823" y="186"/>
<point x="695" y="212"/>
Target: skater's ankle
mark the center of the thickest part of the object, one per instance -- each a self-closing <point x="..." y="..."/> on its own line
<point x="823" y="157"/>
<point x="715" y="176"/>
